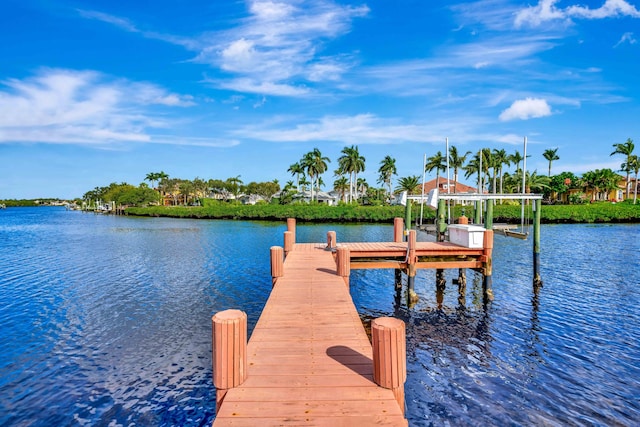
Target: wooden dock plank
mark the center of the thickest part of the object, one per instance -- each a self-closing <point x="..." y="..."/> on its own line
<point x="309" y="358"/>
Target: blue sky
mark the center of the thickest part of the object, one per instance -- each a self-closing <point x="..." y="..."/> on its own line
<point x="94" y="92"/>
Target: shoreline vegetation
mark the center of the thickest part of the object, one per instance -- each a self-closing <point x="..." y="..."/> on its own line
<point x="603" y="212"/>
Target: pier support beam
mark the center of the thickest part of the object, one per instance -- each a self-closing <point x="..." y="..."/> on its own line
<point x="277" y="263"/>
<point x="229" y="339"/>
<point x="388" y="338"/>
<point x="412" y="259"/>
<point x="537" y="208"/>
<point x="488" y="217"/>
<point x="487" y="282"/>
<point x="441" y="285"/>
<point x="442" y="220"/>
<point x="343" y="263"/>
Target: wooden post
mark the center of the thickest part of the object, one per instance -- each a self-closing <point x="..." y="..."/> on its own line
<point x="463" y="220"/>
<point x="398" y="230"/>
<point x="441" y="285"/>
<point x="343" y="263"/>
<point x="331" y="240"/>
<point x="478" y="212"/>
<point x="388" y="338"/>
<point x="407" y="215"/>
<point x="289" y="239"/>
<point x="291" y="226"/>
<point x="487" y="271"/>
<point x="462" y="286"/>
<point x="277" y="264"/>
<point x="229" y="339"/>
<point x="537" y="281"/>
<point x="412" y="296"/>
<point x="488" y="218"/>
<point x="398" y="236"/>
<point x="442" y="220"/>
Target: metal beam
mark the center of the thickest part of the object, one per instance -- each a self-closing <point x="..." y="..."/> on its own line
<point x="476" y="196"/>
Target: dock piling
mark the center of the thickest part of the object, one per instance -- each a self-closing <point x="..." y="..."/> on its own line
<point x="229" y="338"/>
<point x="487" y="270"/>
<point x="291" y="226"/>
<point x="331" y="240"/>
<point x="277" y="263"/>
<point x="398" y="230"/>
<point x="537" y="280"/>
<point x="412" y="296"/>
<point x="388" y="338"/>
<point x="289" y="240"/>
<point x="343" y="263"/>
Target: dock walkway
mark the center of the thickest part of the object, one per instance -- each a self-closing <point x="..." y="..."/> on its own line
<point x="309" y="358"/>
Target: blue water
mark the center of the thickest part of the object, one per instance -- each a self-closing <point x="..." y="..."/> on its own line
<point x="106" y="321"/>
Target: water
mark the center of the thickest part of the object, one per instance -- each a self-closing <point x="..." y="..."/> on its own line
<point x="106" y="321"/>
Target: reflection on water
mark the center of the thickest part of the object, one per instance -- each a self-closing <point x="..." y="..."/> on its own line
<point x="106" y="320"/>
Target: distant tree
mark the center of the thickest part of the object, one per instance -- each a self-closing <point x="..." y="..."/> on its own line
<point x="315" y="165"/>
<point x="601" y="181"/>
<point x="456" y="161"/>
<point x="437" y="162"/>
<point x="634" y="166"/>
<point x="409" y="184"/>
<point x="626" y="149"/>
<point x="351" y="162"/>
<point x="500" y="159"/>
<point x="297" y="170"/>
<point x="341" y="186"/>
<point x="386" y="170"/>
<point x="551" y="156"/>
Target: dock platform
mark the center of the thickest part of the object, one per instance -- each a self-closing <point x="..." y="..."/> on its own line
<point x="309" y="360"/>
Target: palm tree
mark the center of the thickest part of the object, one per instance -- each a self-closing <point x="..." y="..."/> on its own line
<point x="297" y="170"/>
<point x="500" y="159"/>
<point x="634" y="166"/>
<point x="626" y="149"/>
<point x="234" y="185"/>
<point x="341" y="185"/>
<point x="386" y="170"/>
<point x="362" y="186"/>
<point x="550" y="155"/>
<point x="601" y="181"/>
<point x="315" y="165"/>
<point x="536" y="183"/>
<point x="456" y="161"/>
<point x="437" y="162"/>
<point x="408" y="184"/>
<point x="351" y="162"/>
<point x="515" y="159"/>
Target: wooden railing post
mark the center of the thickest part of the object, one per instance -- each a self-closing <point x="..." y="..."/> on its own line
<point x="398" y="230"/>
<point x="388" y="338"/>
<point x="277" y="263"/>
<point x="229" y="339"/>
<point x="289" y="239"/>
<point x="331" y="239"/>
<point x="343" y="263"/>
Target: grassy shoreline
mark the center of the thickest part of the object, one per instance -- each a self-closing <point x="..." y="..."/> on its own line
<point x="551" y="214"/>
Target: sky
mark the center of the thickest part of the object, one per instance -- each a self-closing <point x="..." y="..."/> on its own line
<point x="95" y="91"/>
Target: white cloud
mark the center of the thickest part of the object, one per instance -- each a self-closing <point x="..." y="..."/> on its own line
<point x="66" y="106"/>
<point x="525" y="109"/>
<point x="626" y="38"/>
<point x="546" y="10"/>
<point x="275" y="50"/>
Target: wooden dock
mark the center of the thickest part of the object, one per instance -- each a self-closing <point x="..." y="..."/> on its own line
<point x="309" y="360"/>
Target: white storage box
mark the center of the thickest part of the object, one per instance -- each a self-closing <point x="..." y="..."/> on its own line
<point x="469" y="236"/>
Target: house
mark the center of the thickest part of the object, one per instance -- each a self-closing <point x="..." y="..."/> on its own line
<point x="450" y="187"/>
<point x="321" y="197"/>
